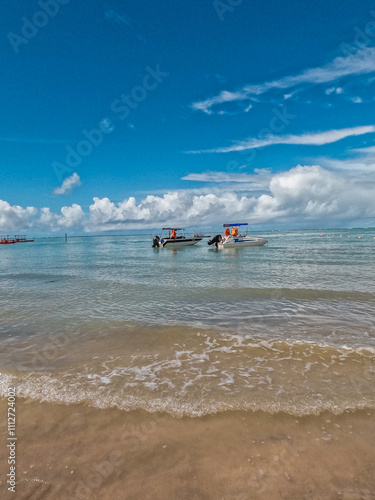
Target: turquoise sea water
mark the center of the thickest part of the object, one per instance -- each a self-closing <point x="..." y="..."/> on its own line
<point x="112" y="322"/>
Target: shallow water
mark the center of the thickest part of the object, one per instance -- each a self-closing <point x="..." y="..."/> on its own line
<point x="111" y="322"/>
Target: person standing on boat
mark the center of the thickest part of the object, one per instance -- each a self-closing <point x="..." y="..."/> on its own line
<point x="227" y="232"/>
<point x="234" y="231"/>
<point x="174" y="234"/>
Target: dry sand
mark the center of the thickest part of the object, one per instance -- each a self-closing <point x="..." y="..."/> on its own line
<point x="77" y="452"/>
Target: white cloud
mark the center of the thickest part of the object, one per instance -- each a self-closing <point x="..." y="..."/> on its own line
<point x="367" y="151"/>
<point x="357" y="100"/>
<point x="68" y="185"/>
<point x="335" y="90"/>
<point x="311" y="193"/>
<point x="360" y="63"/>
<point x="311" y="139"/>
<point x="69" y="217"/>
<point x="252" y="182"/>
<point x="303" y="195"/>
<point x="14" y="217"/>
<point x="361" y="161"/>
<point x="104" y="214"/>
<point x="177" y="207"/>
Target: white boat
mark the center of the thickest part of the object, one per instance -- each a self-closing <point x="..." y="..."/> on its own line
<point x="170" y="239"/>
<point x="233" y="239"/>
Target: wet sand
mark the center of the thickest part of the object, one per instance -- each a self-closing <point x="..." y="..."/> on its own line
<point x="78" y="452"/>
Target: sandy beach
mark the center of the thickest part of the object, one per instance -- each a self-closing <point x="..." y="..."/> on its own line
<point x="78" y="452"/>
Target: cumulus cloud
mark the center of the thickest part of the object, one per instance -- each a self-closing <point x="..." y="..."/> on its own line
<point x="69" y="217"/>
<point x="177" y="207"/>
<point x="14" y="217"/>
<point x="153" y="209"/>
<point x="300" y="195"/>
<point x="360" y="63"/>
<point x="303" y="195"/>
<point x="68" y="184"/>
<point x="311" y="139"/>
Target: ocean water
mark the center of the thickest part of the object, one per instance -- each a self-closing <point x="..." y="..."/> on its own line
<point x="112" y="322"/>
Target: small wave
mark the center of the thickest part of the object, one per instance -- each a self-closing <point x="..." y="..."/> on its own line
<point x="49" y="390"/>
<point x="201" y="372"/>
<point x="297" y="294"/>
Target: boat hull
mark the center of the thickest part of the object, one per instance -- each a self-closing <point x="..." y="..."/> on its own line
<point x="242" y="241"/>
<point x="178" y="242"/>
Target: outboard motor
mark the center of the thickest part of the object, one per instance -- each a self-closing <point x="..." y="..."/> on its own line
<point x="215" y="240"/>
<point x="155" y="242"/>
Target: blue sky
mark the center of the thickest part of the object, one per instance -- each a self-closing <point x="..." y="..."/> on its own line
<point x="121" y="115"/>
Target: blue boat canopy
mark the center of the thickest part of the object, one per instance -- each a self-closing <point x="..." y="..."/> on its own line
<point x="241" y="224"/>
<point x="173" y="228"/>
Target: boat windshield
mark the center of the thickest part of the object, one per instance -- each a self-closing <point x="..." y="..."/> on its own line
<point x="239" y="224"/>
<point x="239" y="229"/>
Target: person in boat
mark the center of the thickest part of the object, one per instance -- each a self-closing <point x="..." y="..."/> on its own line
<point x="227" y="232"/>
<point x="234" y="231"/>
<point x="174" y="234"/>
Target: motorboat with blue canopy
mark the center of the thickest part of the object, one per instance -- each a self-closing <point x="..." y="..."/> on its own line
<point x="235" y="238"/>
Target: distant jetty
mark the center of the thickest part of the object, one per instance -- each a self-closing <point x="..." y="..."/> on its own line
<point x="18" y="238"/>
